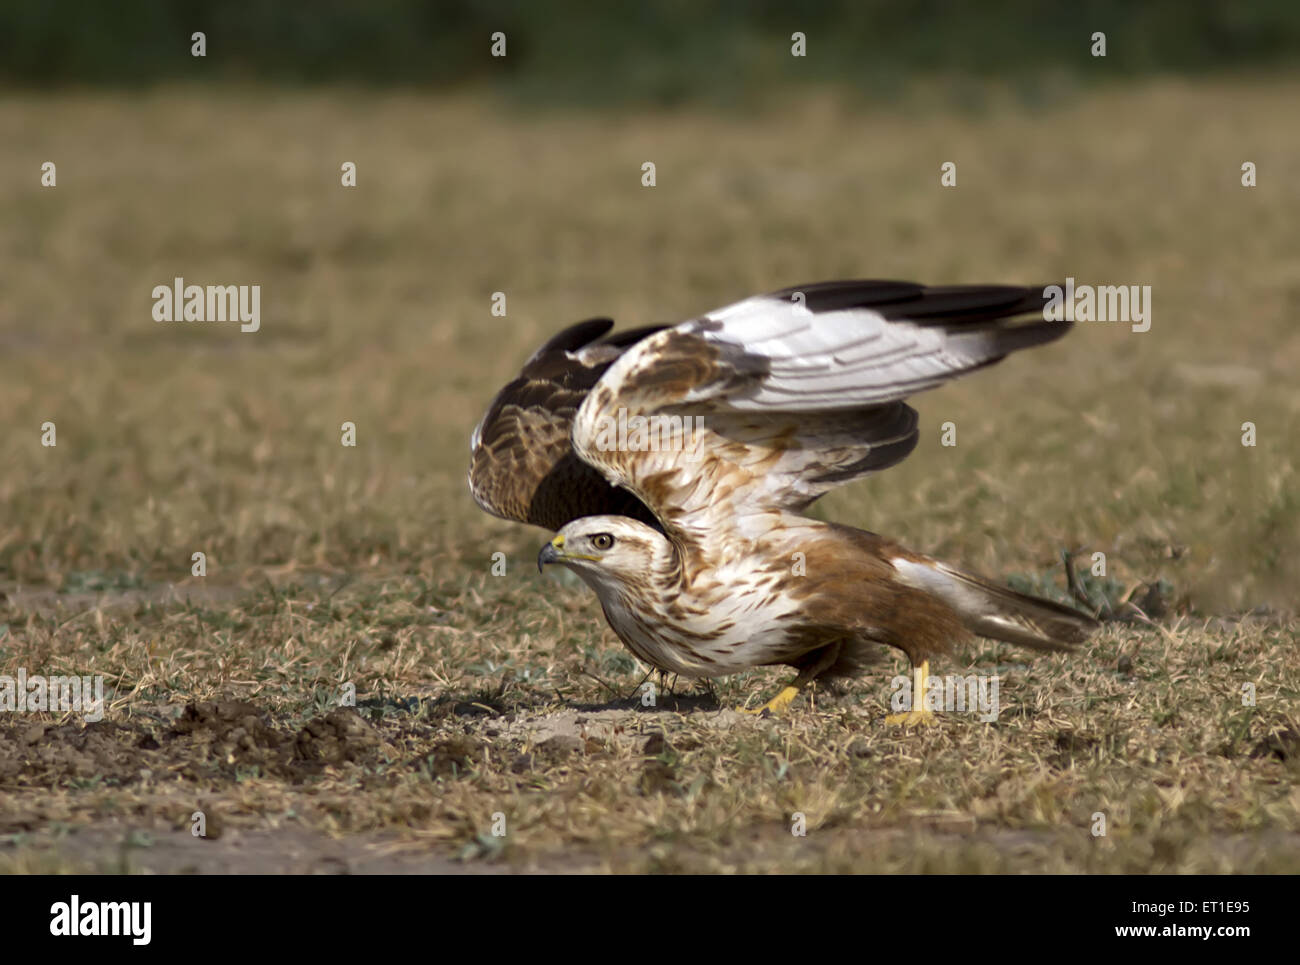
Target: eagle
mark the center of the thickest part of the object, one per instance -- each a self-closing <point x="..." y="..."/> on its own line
<point x="675" y="463"/>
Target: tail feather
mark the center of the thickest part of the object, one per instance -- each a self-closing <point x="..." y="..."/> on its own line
<point x="998" y="612"/>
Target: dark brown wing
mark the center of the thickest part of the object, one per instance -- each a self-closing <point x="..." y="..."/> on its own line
<point x="522" y="466"/>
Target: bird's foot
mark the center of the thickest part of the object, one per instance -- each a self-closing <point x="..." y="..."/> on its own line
<point x="777" y="704"/>
<point x="919" y="715"/>
<point x="912" y="718"/>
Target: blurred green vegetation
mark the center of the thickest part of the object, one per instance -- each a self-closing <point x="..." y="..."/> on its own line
<point x="658" y="52"/>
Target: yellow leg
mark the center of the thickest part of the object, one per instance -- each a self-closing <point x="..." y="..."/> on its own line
<point x="918" y="715"/>
<point x="778" y="703"/>
<point x="782" y="700"/>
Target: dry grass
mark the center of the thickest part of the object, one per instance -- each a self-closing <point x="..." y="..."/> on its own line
<point x="371" y="565"/>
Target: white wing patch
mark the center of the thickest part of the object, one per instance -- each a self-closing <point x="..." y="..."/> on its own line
<point x="839" y="359"/>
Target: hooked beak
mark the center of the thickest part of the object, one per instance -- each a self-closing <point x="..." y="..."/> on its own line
<point x="550" y="553"/>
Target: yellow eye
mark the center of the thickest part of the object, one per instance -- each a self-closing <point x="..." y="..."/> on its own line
<point x="602" y="541"/>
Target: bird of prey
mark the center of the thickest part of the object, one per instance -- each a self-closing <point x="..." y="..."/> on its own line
<point x="675" y="462"/>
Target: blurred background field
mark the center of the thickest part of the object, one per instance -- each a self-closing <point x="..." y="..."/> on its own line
<point x="523" y="176"/>
<point x="376" y="310"/>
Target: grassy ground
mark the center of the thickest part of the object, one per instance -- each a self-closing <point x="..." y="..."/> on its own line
<point x="480" y="694"/>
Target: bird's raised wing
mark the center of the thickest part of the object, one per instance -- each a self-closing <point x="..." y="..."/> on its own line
<point x="522" y="466"/>
<point x="790" y="394"/>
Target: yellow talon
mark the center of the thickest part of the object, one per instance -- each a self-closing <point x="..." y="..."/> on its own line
<point x="777" y="704"/>
<point x="919" y="715"/>
<point x="910" y="718"/>
<point x="828" y="656"/>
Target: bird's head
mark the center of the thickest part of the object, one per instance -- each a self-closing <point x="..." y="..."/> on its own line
<point x="606" y="550"/>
